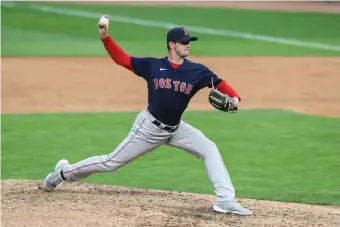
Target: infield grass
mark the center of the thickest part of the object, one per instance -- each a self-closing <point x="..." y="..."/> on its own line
<point x="273" y="155"/>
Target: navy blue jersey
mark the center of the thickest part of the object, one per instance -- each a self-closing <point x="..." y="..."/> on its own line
<point x="169" y="89"/>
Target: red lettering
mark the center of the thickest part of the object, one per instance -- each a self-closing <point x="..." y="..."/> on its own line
<point x="183" y="86"/>
<point x="189" y="89"/>
<point x="168" y="83"/>
<point x="176" y="83"/>
<point x="155" y="81"/>
<point x="161" y="83"/>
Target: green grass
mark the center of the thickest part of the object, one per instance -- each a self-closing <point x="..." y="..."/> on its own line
<point x="30" y="32"/>
<point x="271" y="155"/>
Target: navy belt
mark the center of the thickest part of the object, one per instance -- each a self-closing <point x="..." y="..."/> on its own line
<point x="166" y="128"/>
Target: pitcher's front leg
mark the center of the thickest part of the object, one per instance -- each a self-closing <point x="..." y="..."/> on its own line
<point x="193" y="141"/>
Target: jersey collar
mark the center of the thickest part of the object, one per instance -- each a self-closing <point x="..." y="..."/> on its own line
<point x="170" y="64"/>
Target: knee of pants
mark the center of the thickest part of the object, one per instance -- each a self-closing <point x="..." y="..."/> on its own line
<point x="209" y="148"/>
<point x="109" y="164"/>
<point x="114" y="165"/>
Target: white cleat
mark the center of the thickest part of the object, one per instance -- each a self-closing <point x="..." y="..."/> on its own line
<point x="54" y="178"/>
<point x="231" y="207"/>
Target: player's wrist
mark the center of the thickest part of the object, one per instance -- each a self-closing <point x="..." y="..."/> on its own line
<point x="103" y="37"/>
<point x="236" y="100"/>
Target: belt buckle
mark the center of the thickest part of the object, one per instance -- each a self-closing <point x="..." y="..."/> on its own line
<point x="171" y="130"/>
<point x="165" y="127"/>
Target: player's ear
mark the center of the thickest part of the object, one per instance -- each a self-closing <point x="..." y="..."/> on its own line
<point x="171" y="45"/>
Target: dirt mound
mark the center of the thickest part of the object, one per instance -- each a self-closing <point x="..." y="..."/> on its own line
<point x="25" y="203"/>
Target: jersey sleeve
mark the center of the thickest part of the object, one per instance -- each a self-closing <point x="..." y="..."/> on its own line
<point x="208" y="78"/>
<point x="117" y="54"/>
<point x="141" y="66"/>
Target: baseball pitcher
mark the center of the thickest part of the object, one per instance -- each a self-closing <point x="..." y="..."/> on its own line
<point x="171" y="82"/>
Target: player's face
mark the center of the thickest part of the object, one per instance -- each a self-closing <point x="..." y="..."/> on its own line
<point x="182" y="48"/>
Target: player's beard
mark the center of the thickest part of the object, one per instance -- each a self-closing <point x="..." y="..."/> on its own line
<point x="182" y="51"/>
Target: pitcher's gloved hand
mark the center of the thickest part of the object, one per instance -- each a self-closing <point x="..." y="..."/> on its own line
<point x="233" y="104"/>
<point x="222" y="101"/>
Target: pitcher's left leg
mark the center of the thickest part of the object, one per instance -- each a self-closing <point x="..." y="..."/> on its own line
<point x="195" y="142"/>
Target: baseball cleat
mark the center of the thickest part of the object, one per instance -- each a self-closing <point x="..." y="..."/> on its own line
<point x="231" y="207"/>
<point x="54" y="178"/>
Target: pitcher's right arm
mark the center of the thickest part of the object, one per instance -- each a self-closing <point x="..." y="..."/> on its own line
<point x="139" y="66"/>
<point x="118" y="55"/>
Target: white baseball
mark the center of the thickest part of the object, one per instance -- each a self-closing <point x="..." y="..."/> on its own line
<point x="237" y="101"/>
<point x="104" y="21"/>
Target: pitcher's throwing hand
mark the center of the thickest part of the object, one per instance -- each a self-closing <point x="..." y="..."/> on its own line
<point x="103" y="26"/>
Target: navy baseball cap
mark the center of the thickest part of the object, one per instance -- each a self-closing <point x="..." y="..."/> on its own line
<point x="180" y="34"/>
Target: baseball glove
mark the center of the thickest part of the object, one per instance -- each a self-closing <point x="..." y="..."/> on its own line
<point x="222" y="101"/>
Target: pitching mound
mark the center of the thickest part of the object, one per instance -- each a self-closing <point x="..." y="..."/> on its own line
<point x="25" y="203"/>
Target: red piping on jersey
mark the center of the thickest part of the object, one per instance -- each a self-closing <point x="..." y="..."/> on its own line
<point x="119" y="56"/>
<point x="108" y="157"/>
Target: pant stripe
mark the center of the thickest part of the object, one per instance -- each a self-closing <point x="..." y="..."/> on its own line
<point x="109" y="159"/>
